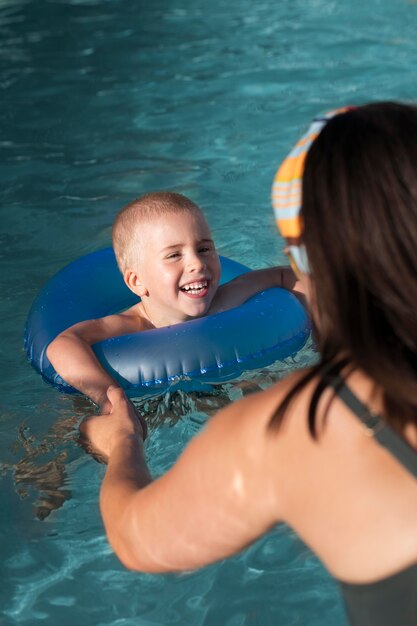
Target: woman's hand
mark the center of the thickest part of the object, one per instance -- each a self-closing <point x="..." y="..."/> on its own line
<point x="121" y="421"/>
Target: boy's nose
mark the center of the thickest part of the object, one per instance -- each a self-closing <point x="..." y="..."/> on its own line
<point x="196" y="262"/>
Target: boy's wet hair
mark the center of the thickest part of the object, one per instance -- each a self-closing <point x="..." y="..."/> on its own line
<point x="126" y="227"/>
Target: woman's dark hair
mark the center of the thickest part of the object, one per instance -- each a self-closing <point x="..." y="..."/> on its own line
<point x="360" y="231"/>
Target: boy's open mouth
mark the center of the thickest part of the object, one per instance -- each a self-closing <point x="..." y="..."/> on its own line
<point x="199" y="288"/>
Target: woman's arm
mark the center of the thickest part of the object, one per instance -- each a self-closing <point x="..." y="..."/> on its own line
<point x="218" y="497"/>
<point x="236" y="479"/>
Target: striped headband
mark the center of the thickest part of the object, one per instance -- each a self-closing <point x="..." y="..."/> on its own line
<point x="286" y="189"/>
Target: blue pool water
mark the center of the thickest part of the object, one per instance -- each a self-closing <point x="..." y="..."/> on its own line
<point x="102" y="101"/>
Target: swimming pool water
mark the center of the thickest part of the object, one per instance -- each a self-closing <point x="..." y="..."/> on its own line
<point x="102" y="101"/>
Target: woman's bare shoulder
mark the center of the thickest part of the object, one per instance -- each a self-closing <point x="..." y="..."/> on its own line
<point x="257" y="409"/>
<point x="247" y="426"/>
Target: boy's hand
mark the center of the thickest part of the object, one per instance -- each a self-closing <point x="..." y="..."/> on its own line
<point x="103" y="432"/>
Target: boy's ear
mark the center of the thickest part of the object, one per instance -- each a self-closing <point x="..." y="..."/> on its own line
<point x="134" y="283"/>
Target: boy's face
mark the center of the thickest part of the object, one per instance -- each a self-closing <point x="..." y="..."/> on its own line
<point x="178" y="268"/>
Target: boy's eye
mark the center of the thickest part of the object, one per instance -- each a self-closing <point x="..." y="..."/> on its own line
<point x="204" y="249"/>
<point x="173" y="255"/>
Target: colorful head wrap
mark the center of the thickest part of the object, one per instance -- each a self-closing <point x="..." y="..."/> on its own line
<point x="286" y="189"/>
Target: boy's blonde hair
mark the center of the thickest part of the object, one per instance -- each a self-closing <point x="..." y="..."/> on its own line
<point x="126" y="227"/>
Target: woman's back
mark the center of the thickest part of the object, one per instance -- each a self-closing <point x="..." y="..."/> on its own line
<point x="357" y="504"/>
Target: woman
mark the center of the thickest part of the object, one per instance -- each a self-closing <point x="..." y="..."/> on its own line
<point x="330" y="450"/>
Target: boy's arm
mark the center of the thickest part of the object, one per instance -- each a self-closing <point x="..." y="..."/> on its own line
<point x="243" y="287"/>
<point x="73" y="358"/>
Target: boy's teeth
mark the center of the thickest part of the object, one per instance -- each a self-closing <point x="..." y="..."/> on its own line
<point x="195" y="286"/>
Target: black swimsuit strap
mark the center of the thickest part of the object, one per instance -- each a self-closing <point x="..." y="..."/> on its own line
<point x="383" y="433"/>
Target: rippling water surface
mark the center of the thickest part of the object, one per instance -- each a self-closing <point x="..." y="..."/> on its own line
<point x="102" y="101"/>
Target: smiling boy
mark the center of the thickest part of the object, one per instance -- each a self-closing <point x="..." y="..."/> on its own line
<point x="169" y="259"/>
<point x="166" y="254"/>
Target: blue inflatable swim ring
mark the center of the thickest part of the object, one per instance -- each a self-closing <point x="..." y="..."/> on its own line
<point x="193" y="355"/>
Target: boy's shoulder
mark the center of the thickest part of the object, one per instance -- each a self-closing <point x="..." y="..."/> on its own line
<point x="101" y="328"/>
<point x="132" y="319"/>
